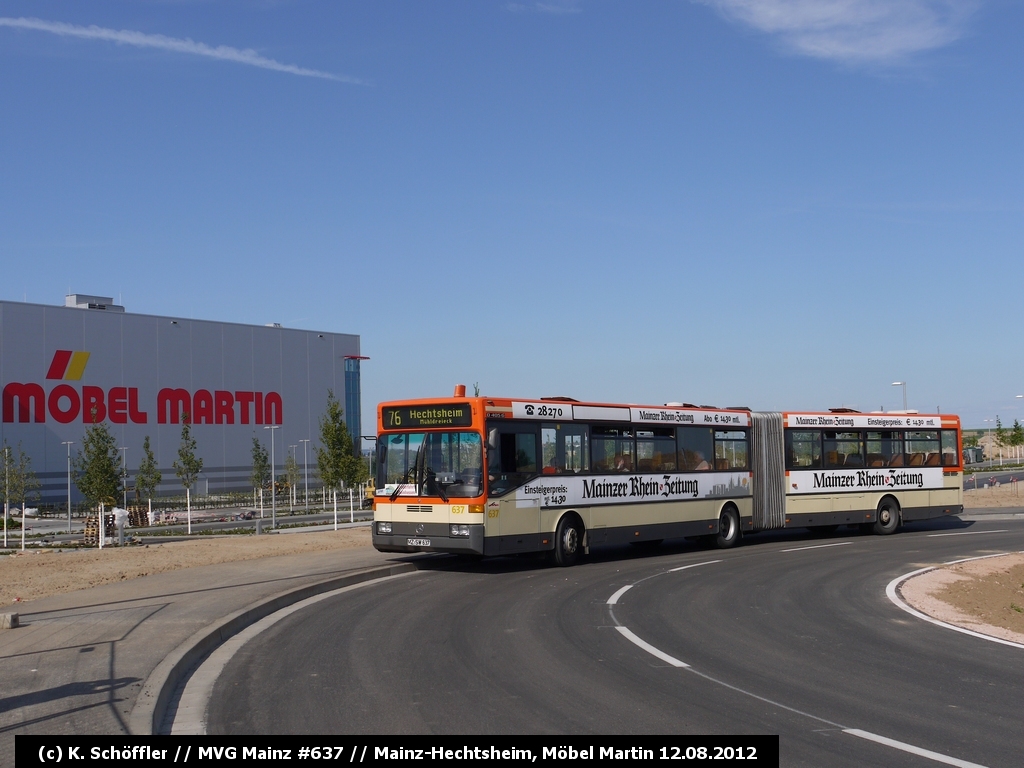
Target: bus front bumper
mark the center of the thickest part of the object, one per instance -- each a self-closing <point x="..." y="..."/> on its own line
<point x="433" y="538"/>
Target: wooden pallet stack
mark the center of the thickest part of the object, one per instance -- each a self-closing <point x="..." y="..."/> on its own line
<point x="92" y="530"/>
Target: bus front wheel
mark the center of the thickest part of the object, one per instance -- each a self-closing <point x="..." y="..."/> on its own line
<point x="728" y="529"/>
<point x="888" y="518"/>
<point x="568" y="541"/>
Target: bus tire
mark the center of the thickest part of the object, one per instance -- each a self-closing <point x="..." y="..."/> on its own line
<point x="888" y="518"/>
<point x="728" y="528"/>
<point x="568" y="541"/>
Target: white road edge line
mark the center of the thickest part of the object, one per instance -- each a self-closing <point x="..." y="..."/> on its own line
<point x="818" y="546"/>
<point x="937" y="757"/>
<point x="966" y="533"/>
<point x="651" y="649"/>
<point x="695" y="565"/>
<point x="615" y="598"/>
<point x="190" y="718"/>
<point x="891" y="591"/>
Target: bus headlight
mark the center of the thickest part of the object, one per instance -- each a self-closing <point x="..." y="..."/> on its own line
<point x="383" y="527"/>
<point x="460" y="530"/>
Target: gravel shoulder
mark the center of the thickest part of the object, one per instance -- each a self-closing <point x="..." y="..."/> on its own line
<point x="985" y="596"/>
<point x="41" y="573"/>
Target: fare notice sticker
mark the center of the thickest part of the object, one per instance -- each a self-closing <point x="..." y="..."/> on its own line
<point x="35" y="750"/>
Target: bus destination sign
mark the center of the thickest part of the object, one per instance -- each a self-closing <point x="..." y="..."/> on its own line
<point x="413" y="416"/>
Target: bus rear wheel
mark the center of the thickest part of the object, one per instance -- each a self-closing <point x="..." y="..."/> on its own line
<point x="888" y="518"/>
<point x="728" y="528"/>
<point x="568" y="541"/>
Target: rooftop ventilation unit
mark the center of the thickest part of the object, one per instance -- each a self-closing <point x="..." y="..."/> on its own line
<point x="82" y="301"/>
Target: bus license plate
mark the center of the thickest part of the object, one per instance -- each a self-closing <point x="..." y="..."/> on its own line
<point x="418" y="542"/>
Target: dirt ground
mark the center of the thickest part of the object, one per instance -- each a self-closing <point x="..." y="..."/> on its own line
<point x="986" y="595"/>
<point x="1005" y="495"/>
<point x="39" y="573"/>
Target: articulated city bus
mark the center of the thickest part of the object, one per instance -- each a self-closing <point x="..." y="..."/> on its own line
<point x="492" y="476"/>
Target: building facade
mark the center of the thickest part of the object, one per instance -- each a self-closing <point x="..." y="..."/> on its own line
<point x="63" y="367"/>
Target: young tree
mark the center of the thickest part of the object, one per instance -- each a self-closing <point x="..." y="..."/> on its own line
<point x="1017" y="435"/>
<point x="19" y="481"/>
<point x="291" y="472"/>
<point x="187" y="466"/>
<point x="335" y="458"/>
<point x="148" y="476"/>
<point x="260" y="477"/>
<point x="1001" y="438"/>
<point x="97" y="467"/>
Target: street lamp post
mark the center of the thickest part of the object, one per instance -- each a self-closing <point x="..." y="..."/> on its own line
<point x="273" y="483"/>
<point x="904" y="385"/>
<point x="69" y="443"/>
<point x="305" y="470"/>
<point x="990" y="422"/>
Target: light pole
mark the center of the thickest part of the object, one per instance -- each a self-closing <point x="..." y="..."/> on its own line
<point x="305" y="470"/>
<point x="273" y="482"/>
<point x="7" y="490"/>
<point x="291" y="488"/>
<point x="69" y="443"/>
<point x="990" y="422"/>
<point x="124" y="474"/>
<point x="904" y="385"/>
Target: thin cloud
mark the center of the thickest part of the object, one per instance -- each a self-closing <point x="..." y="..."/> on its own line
<point x="175" y="44"/>
<point x="855" y="31"/>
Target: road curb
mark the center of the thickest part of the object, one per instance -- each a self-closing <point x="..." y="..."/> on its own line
<point x="151" y="705"/>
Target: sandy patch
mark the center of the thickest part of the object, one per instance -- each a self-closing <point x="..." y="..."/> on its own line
<point x="985" y="596"/>
<point x="1005" y="495"/>
<point x="40" y="573"/>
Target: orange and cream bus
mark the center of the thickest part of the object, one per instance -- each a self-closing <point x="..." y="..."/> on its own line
<point x="493" y="476"/>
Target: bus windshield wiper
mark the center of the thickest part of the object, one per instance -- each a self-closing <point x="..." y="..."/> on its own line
<point x="431" y="477"/>
<point x="416" y="473"/>
<point x="400" y="486"/>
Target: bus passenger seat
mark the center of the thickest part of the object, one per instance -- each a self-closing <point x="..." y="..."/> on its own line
<point x="916" y="460"/>
<point x="896" y="460"/>
<point x="932" y="460"/>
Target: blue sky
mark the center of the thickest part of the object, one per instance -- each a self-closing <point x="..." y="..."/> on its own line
<point x="784" y="204"/>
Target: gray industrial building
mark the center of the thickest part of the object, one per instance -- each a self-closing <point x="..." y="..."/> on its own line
<point x="60" y="367"/>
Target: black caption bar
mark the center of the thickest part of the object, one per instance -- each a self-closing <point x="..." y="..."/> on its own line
<point x="158" y="751"/>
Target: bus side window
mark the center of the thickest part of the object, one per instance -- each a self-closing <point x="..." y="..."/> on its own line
<point x="885" y="449"/>
<point x="949" y="448"/>
<point x="565" y="448"/>
<point x="656" y="450"/>
<point x="803" y="449"/>
<point x="612" y="447"/>
<point x="731" y="450"/>
<point x="843" y="449"/>
<point x="695" y="448"/>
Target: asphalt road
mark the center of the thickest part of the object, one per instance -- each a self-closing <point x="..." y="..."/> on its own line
<point x="787" y="634"/>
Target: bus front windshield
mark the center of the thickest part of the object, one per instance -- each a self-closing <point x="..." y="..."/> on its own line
<point x="444" y="464"/>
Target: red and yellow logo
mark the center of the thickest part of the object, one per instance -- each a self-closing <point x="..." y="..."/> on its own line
<point x="68" y="365"/>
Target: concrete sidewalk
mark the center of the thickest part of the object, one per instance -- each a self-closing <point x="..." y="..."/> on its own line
<point x="79" y="660"/>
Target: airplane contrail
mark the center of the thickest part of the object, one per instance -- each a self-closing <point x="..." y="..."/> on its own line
<point x="178" y="45"/>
